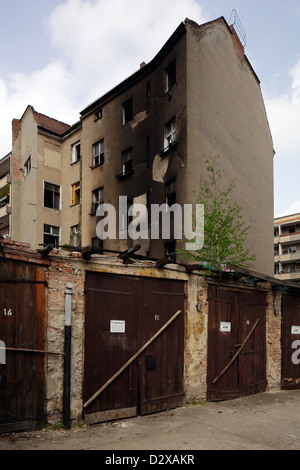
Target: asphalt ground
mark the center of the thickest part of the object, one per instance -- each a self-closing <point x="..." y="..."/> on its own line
<point x="267" y="421"/>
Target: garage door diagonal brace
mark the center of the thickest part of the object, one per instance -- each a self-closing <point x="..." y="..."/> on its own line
<point x="131" y="360"/>
<point x="237" y="353"/>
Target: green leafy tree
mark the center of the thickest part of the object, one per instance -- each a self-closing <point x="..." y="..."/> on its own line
<point x="225" y="231"/>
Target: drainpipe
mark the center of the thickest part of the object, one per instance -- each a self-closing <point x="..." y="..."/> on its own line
<point x="67" y="358"/>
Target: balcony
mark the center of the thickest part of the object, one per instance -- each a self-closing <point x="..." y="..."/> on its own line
<point x="289" y="238"/>
<point x="291" y="257"/>
<point x="288" y="276"/>
<point x="5" y="181"/>
<point x="4" y="211"/>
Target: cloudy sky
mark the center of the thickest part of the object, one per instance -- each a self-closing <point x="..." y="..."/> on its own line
<point x="60" y="55"/>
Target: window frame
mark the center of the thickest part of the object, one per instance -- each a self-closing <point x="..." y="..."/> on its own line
<point x="128" y="153"/>
<point x="98" y="114"/>
<point x="170" y="133"/>
<point x="75" y="232"/>
<point x="98" y="154"/>
<point x="51" y="234"/>
<point x="127" y="111"/>
<point x="75" y="154"/>
<point x="75" y="193"/>
<point x="170" y="76"/>
<point x="54" y="193"/>
<point x="27" y="166"/>
<point x="97" y="201"/>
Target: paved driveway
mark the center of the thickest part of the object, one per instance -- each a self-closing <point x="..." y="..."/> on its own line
<point x="260" y="422"/>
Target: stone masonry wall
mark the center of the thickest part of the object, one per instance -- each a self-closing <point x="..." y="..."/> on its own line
<point x="62" y="268"/>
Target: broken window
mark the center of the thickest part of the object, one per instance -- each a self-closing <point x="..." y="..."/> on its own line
<point x="170" y="75"/>
<point x="170" y="250"/>
<point x="127" y="111"/>
<point x="170" y="190"/>
<point x="98" y="198"/>
<point x="127" y="161"/>
<point x="98" y="153"/>
<point x="51" y="235"/>
<point x="170" y="133"/>
<point x="74" y="238"/>
<point x="51" y="195"/>
<point x="98" y="243"/>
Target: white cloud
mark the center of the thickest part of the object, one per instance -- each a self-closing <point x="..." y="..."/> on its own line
<point x="293" y="208"/>
<point x="284" y="117"/>
<point x="95" y="45"/>
<point x="104" y="42"/>
<point x="47" y="90"/>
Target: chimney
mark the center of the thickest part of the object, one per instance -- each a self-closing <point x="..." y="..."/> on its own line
<point x="237" y="40"/>
<point x="238" y="32"/>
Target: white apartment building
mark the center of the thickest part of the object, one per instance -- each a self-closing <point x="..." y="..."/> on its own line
<point x="287" y="247"/>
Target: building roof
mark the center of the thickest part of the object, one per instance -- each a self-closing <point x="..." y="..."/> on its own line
<point x="145" y="69"/>
<point x="287" y="219"/>
<point x="50" y="124"/>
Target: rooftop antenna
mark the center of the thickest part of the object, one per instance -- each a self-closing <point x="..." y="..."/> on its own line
<point x="236" y="22"/>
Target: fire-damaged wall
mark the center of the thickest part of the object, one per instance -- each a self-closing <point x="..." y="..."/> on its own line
<point x="63" y="268"/>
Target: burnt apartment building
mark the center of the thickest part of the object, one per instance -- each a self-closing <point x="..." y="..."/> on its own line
<point x="147" y="139"/>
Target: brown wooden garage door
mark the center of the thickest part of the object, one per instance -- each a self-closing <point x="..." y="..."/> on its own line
<point x="22" y="317"/>
<point x="290" y="370"/>
<point x="122" y="315"/>
<point x="236" y="325"/>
